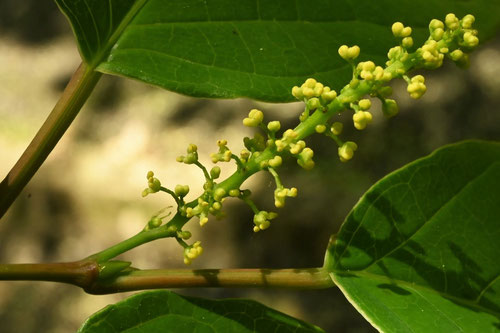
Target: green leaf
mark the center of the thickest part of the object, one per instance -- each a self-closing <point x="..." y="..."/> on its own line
<point x="420" y="251"/>
<point x="164" y="311"/>
<point x="249" y="48"/>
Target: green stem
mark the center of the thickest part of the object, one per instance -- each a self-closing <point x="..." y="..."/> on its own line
<point x="80" y="273"/>
<point x="74" y="96"/>
<point x="146" y="236"/>
<point x="308" y="278"/>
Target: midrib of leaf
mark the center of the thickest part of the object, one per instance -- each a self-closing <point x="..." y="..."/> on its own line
<point x="412" y="286"/>
<point x="103" y="52"/>
<point x="230" y="70"/>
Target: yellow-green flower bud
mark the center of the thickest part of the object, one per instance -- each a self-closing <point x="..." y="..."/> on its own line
<point x="290" y="133"/>
<point x="192" y="148"/>
<point x="275" y="161"/>
<point x="470" y="40"/>
<point x="297" y="92"/>
<point x="318" y="89"/>
<point x="154" y="184"/>
<point x="244" y="154"/>
<point x="361" y="119"/>
<point x="407" y="42"/>
<point x="308" y="92"/>
<point x="346" y="151"/>
<point x="451" y="21"/>
<point x="349" y="53"/>
<point x="385" y="91"/>
<point x="181" y="190"/>
<point x="234" y="192"/>
<point x="399" y="30"/>
<point x="328" y="95"/>
<point x="310" y="83"/>
<point x="215" y="172"/>
<point x="467" y="21"/>
<point x="417" y="87"/>
<point x="437" y="34"/>
<point x="219" y="193"/>
<point x="390" y="108"/>
<point x="320" y="128"/>
<point x="337" y="128"/>
<point x="274" y="126"/>
<point x="185" y="234"/>
<point x="155" y="222"/>
<point x="296" y="148"/>
<point x="436" y="24"/>
<point x="305" y="159"/>
<point x="313" y="103"/>
<point x="254" y="118"/>
<point x="456" y="55"/>
<point x="364" y="104"/>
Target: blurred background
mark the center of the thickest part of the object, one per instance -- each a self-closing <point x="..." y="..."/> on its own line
<point x="87" y="195"/>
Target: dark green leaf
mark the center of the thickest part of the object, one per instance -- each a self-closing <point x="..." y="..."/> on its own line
<point x="420" y="251"/>
<point x="250" y="48"/>
<point x="166" y="312"/>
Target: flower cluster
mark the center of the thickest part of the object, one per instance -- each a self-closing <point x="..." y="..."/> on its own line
<point x="192" y="252"/>
<point x="268" y="148"/>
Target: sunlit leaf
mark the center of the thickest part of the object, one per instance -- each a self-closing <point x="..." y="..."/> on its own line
<point x="420" y="251"/>
<point x="250" y="48"/>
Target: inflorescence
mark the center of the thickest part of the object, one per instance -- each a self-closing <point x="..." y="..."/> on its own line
<point x="266" y="151"/>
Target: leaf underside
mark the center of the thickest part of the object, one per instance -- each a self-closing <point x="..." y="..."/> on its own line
<point x="248" y="48"/>
<point x="167" y="312"/>
<point x="420" y="251"/>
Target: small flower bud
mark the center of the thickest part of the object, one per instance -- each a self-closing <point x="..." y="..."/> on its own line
<point x="364" y="104"/>
<point x="456" y="55"/>
<point x="390" y="108"/>
<point x="337" y="128"/>
<point x="407" y="42"/>
<point x="297" y="92"/>
<point x="181" y="190"/>
<point x="254" y="118"/>
<point x="234" y="192"/>
<point x="313" y="103"/>
<point x="320" y="128"/>
<point x="467" y="21"/>
<point x="451" y="21"/>
<point x="219" y="193"/>
<point x="349" y="53"/>
<point x="310" y="83"/>
<point x="399" y="30"/>
<point x="417" y="88"/>
<point x="346" y="152"/>
<point x="329" y="95"/>
<point x="192" y="148"/>
<point x="274" y="126"/>
<point x="215" y="172"/>
<point x="436" y="24"/>
<point x="470" y="40"/>
<point x="275" y="161"/>
<point x="361" y="119"/>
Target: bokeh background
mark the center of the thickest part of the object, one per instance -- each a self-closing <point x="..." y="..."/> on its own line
<point x="86" y="196"/>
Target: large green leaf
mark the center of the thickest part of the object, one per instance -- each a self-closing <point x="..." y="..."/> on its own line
<point x="166" y="312"/>
<point x="420" y="251"/>
<point x="251" y="48"/>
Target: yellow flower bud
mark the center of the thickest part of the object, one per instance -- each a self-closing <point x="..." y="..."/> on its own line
<point x="364" y="104"/>
<point x="320" y="128"/>
<point x="274" y="126"/>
